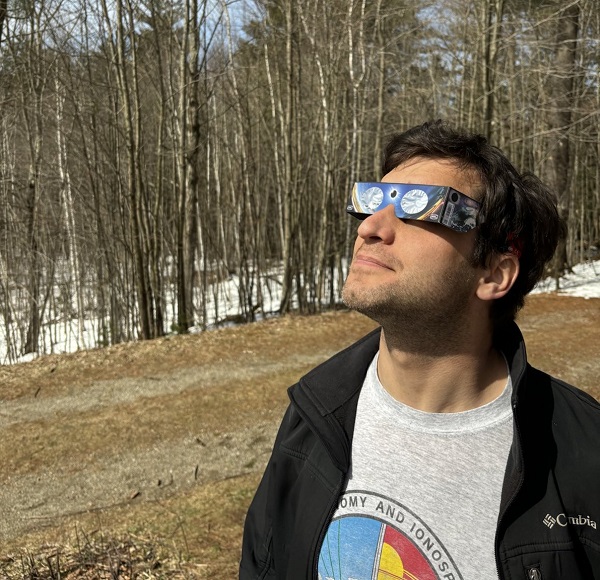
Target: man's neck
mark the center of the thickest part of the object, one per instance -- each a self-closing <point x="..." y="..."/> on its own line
<point x="466" y="378"/>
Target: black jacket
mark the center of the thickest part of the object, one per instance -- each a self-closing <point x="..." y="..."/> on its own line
<point x="549" y="522"/>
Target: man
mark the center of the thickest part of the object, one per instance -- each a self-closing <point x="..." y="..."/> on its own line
<point x="430" y="449"/>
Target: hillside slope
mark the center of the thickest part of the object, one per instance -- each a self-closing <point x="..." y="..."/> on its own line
<point x="168" y="438"/>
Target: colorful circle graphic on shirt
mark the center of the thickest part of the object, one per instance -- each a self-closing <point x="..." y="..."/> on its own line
<point x="375" y="538"/>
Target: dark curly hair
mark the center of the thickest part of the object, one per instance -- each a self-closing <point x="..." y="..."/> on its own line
<point x="517" y="209"/>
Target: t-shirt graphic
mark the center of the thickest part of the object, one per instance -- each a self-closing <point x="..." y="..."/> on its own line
<point x="375" y="538"/>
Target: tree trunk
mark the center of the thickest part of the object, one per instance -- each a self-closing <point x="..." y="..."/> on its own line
<point x="561" y="93"/>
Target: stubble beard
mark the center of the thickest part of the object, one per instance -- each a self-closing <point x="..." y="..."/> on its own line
<point x="426" y="315"/>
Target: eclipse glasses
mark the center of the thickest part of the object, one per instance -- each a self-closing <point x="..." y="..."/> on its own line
<point x="430" y="203"/>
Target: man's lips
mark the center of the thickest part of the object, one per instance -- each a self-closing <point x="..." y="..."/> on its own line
<point x="365" y="260"/>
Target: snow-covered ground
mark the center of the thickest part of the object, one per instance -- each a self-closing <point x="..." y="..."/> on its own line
<point x="583" y="281"/>
<point x="223" y="304"/>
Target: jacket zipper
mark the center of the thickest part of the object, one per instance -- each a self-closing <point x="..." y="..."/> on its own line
<point x="337" y="491"/>
<point x="323" y="531"/>
<point x="512" y="498"/>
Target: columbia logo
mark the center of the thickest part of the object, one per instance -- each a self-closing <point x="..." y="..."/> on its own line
<point x="563" y="520"/>
<point x="549" y="520"/>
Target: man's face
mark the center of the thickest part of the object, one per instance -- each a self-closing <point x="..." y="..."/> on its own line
<point x="413" y="274"/>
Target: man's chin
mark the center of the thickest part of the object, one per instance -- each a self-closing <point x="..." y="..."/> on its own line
<point x="350" y="298"/>
<point x="364" y="304"/>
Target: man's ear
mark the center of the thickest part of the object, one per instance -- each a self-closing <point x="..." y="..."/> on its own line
<point x="498" y="278"/>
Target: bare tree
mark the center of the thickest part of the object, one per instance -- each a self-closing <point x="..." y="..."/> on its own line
<point x="562" y="82"/>
<point x="154" y="155"/>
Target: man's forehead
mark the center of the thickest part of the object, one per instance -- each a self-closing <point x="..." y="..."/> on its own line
<point x="433" y="171"/>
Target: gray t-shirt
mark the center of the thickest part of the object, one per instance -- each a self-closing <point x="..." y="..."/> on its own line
<point x="423" y="495"/>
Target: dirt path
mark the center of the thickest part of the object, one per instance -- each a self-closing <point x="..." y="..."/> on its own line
<point x="140" y="422"/>
<point x="74" y="483"/>
<point x="145" y="422"/>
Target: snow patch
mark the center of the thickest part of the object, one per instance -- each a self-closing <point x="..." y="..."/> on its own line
<point x="583" y="281"/>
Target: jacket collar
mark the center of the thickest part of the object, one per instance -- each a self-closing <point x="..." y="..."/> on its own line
<point x="327" y="396"/>
<point x="510" y="342"/>
<point x="334" y="382"/>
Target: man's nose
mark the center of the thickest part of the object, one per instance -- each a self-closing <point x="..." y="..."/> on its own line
<point x="380" y="226"/>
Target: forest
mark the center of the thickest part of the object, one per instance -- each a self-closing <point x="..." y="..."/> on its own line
<point x="154" y="151"/>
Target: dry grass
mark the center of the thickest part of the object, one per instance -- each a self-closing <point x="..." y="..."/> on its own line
<point x="562" y="336"/>
<point x="194" y="536"/>
<point x="94" y="556"/>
